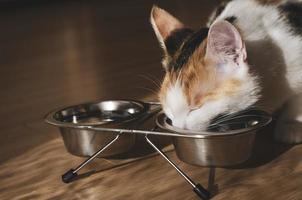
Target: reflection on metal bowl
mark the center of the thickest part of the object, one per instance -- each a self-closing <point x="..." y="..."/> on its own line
<point x="79" y="141"/>
<point x="229" y="143"/>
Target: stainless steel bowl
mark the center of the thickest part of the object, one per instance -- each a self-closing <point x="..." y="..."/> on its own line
<point x="227" y="143"/>
<point x="74" y="123"/>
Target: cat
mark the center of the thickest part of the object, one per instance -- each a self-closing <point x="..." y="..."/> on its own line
<point x="247" y="55"/>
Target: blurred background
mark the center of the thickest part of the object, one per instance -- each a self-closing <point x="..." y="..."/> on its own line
<point x="56" y="53"/>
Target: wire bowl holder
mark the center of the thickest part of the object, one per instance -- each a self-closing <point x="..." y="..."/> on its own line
<point x="113" y="124"/>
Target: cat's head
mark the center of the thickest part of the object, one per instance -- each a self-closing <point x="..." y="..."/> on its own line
<point x="206" y="71"/>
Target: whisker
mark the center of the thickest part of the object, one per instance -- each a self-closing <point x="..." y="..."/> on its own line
<point x="238" y="117"/>
<point x="236" y="113"/>
<point x="223" y="124"/>
<point x="231" y="118"/>
<point x="156" y="79"/>
<point x="179" y="76"/>
<point x="150" y="79"/>
<point x="228" y="123"/>
<point x="148" y="89"/>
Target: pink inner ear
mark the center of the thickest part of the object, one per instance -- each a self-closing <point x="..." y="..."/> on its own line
<point x="225" y="43"/>
<point x="164" y="22"/>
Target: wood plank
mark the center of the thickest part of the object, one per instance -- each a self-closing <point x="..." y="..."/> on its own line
<point x="36" y="175"/>
<point x="56" y="53"/>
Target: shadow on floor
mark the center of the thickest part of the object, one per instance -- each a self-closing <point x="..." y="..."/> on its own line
<point x="140" y="150"/>
<point x="265" y="149"/>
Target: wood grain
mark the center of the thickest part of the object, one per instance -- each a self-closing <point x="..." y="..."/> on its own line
<point x="56" y="53"/>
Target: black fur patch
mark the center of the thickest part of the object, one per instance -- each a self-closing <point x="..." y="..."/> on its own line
<point x="231" y="19"/>
<point x="188" y="48"/>
<point x="293" y="12"/>
<point x="174" y="41"/>
<point x="219" y="9"/>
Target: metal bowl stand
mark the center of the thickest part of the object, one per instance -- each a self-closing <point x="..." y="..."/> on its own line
<point x="201" y="192"/>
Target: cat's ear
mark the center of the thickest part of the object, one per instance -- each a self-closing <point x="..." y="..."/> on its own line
<point x="163" y="24"/>
<point x="225" y="45"/>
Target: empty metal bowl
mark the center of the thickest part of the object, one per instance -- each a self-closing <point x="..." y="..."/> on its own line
<point x="229" y="142"/>
<point x="73" y="120"/>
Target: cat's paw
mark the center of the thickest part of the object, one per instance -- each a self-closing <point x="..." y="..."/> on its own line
<point x="289" y="132"/>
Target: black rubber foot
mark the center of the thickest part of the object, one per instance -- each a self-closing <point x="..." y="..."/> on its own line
<point x="69" y="176"/>
<point x="202" y="192"/>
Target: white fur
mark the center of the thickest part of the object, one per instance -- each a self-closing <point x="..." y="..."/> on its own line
<point x="176" y="107"/>
<point x="182" y="116"/>
<point x="281" y="82"/>
<point x="258" y="23"/>
<point x="275" y="68"/>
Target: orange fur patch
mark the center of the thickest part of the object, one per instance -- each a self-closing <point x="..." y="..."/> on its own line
<point x="227" y="88"/>
<point x="199" y="81"/>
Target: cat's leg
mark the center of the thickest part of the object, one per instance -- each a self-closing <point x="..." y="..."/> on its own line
<point x="289" y="125"/>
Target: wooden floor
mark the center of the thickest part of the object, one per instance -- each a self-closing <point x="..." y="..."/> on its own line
<point x="56" y="53"/>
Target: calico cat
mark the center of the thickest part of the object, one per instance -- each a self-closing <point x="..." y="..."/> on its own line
<point x="248" y="55"/>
